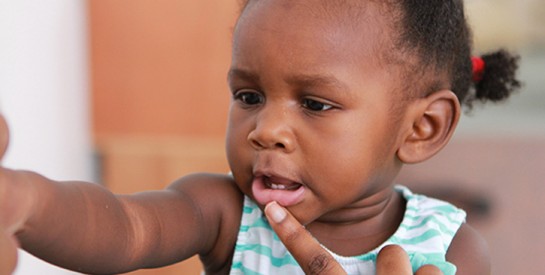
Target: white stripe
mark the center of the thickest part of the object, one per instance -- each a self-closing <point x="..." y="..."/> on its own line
<point x="433" y="245"/>
<point x="252" y="260"/>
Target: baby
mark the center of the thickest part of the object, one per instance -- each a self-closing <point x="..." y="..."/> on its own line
<point x="329" y="99"/>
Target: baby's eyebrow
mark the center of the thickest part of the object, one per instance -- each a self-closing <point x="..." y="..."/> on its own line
<point x="304" y="80"/>
<point x="299" y="80"/>
<point x="243" y="74"/>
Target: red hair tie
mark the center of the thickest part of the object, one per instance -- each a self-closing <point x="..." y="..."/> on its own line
<point x="478" y="68"/>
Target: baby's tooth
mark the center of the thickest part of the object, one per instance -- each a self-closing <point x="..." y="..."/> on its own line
<point x="278" y="186"/>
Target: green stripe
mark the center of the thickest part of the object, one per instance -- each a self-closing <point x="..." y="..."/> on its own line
<point x="260" y="223"/>
<point x="441" y="210"/>
<point x="247" y="210"/>
<point x="450" y="219"/>
<point x="246" y="228"/>
<point x="440" y="206"/>
<point x="438" y="260"/>
<point x="245" y="271"/>
<point x="431" y="219"/>
<point x="267" y="252"/>
<point x="367" y="257"/>
<point x="417" y="239"/>
<point x="429" y="256"/>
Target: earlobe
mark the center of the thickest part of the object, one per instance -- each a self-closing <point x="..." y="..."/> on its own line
<point x="433" y="124"/>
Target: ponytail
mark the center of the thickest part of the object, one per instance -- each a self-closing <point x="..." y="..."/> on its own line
<point x="497" y="79"/>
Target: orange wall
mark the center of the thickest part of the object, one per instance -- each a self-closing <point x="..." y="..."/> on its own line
<point x="159" y="67"/>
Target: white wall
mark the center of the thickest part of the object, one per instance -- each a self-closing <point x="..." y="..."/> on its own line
<point x="43" y="93"/>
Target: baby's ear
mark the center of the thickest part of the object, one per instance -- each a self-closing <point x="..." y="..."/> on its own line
<point x="433" y="122"/>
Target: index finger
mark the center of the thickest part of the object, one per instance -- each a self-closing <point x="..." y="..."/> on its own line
<point x="310" y="255"/>
<point x="392" y="259"/>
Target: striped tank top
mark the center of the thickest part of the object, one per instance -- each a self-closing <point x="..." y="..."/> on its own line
<point x="427" y="229"/>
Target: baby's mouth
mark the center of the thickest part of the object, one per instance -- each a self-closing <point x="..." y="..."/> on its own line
<point x="276" y="183"/>
<point x="286" y="192"/>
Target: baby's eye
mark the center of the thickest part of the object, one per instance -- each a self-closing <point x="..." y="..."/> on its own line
<point x="315" y="105"/>
<point x="249" y="97"/>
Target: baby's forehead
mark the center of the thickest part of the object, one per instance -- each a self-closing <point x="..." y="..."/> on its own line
<point x="334" y="10"/>
<point x="363" y="22"/>
<point x="360" y="16"/>
<point x="387" y="35"/>
<point x="293" y="39"/>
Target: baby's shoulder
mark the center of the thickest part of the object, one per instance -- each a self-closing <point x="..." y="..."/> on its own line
<point x="220" y="202"/>
<point x="210" y="191"/>
<point x="204" y="180"/>
<point x="469" y="252"/>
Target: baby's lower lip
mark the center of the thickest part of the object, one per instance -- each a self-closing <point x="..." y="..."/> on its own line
<point x="285" y="193"/>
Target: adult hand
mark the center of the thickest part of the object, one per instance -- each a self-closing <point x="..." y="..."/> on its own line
<point x="8" y="253"/>
<point x="4" y="136"/>
<point x="8" y="244"/>
<point x="314" y="259"/>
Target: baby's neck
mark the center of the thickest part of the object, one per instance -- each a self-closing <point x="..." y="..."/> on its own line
<point x="360" y="229"/>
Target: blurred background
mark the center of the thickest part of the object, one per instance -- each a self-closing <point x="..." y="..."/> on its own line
<point x="133" y="94"/>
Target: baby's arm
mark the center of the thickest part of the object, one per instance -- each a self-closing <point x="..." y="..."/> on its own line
<point x="469" y="252"/>
<point x="84" y="227"/>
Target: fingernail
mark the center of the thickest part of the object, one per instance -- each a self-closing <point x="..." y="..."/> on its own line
<point x="275" y="212"/>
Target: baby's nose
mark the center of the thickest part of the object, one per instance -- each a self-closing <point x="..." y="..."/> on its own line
<point x="272" y="131"/>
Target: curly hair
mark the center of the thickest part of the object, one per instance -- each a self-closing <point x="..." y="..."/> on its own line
<point x="436" y="34"/>
<point x="437" y="31"/>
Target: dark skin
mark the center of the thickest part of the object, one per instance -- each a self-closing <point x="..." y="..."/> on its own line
<point x="8" y="244"/>
<point x="297" y="92"/>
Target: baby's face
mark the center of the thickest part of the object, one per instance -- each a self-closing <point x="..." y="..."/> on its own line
<point x="311" y="123"/>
